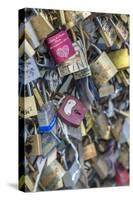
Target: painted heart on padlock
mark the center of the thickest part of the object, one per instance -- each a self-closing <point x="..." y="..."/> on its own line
<point x="63" y="52"/>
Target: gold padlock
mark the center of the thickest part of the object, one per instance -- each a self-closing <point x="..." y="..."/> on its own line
<point x="41" y="25"/>
<point x="102" y="68"/>
<point x="52" y="176"/>
<point x="26" y="48"/>
<point x="89" y="151"/>
<point x="104" y="131"/>
<point x="27" y="105"/>
<point x="106" y="90"/>
<point x="34" y="143"/>
<point x="101" y="167"/>
<point x="120" y="58"/>
<point x="37" y="95"/>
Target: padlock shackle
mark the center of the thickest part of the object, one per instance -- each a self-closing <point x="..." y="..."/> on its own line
<point x="35" y="11"/>
<point x="96" y="48"/>
<point x="29" y="89"/>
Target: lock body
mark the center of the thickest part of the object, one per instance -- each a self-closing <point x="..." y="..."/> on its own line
<point x="34" y="143"/>
<point x="41" y="26"/>
<point x="60" y="46"/>
<point x="72" y="111"/>
<point x="46" y="118"/>
<point x="71" y="177"/>
<point x="52" y="176"/>
<point x="89" y="151"/>
<point x="27" y="107"/>
<point x="120" y="58"/>
<point x="101" y="168"/>
<point x="26" y="48"/>
<point x="103" y="69"/>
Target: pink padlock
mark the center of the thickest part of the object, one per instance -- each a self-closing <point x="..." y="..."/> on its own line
<point x="72" y="111"/>
<point x="60" y="46"/>
<point x="122" y="176"/>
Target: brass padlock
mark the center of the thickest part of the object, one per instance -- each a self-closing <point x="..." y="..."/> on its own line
<point x="119" y="27"/>
<point x="37" y="95"/>
<point x="89" y="150"/>
<point x="27" y="182"/>
<point x="33" y="144"/>
<point x="88" y="122"/>
<point x="120" y="58"/>
<point x="104" y="131"/>
<point x="27" y="105"/>
<point x="106" y="90"/>
<point x="124" y="156"/>
<point x="102" y="67"/>
<point x="101" y="167"/>
<point x="116" y="128"/>
<point x="70" y="19"/>
<point x="52" y="176"/>
<point x="26" y="48"/>
<point x="107" y="31"/>
<point x="41" y="25"/>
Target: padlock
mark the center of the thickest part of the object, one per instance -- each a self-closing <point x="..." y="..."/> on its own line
<point x="27" y="105"/>
<point x="31" y="35"/>
<point x="37" y="95"/>
<point x="41" y="25"/>
<point x="75" y="133"/>
<point x="88" y="122"/>
<point x="118" y="43"/>
<point x="116" y="128"/>
<point x="28" y="71"/>
<point x="60" y="46"/>
<point x="105" y="130"/>
<point x="106" y="90"/>
<point x="124" y="18"/>
<point x="33" y="144"/>
<point x="52" y="175"/>
<point x="49" y="142"/>
<point x="70" y="18"/>
<point x="27" y="182"/>
<point x="26" y="48"/>
<point x="122" y="176"/>
<point x="123" y="78"/>
<point x="120" y="58"/>
<point x="124" y="156"/>
<point x="72" y="111"/>
<point x="102" y="68"/>
<point x="107" y="31"/>
<point x="89" y="150"/>
<point x="46" y="115"/>
<point x="101" y="167"/>
<point x="119" y="27"/>
<point x="71" y="177"/>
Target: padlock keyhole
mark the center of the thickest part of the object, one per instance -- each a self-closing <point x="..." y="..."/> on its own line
<point x="77" y="112"/>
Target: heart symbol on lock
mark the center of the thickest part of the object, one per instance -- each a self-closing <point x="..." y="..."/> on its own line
<point x="63" y="52"/>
